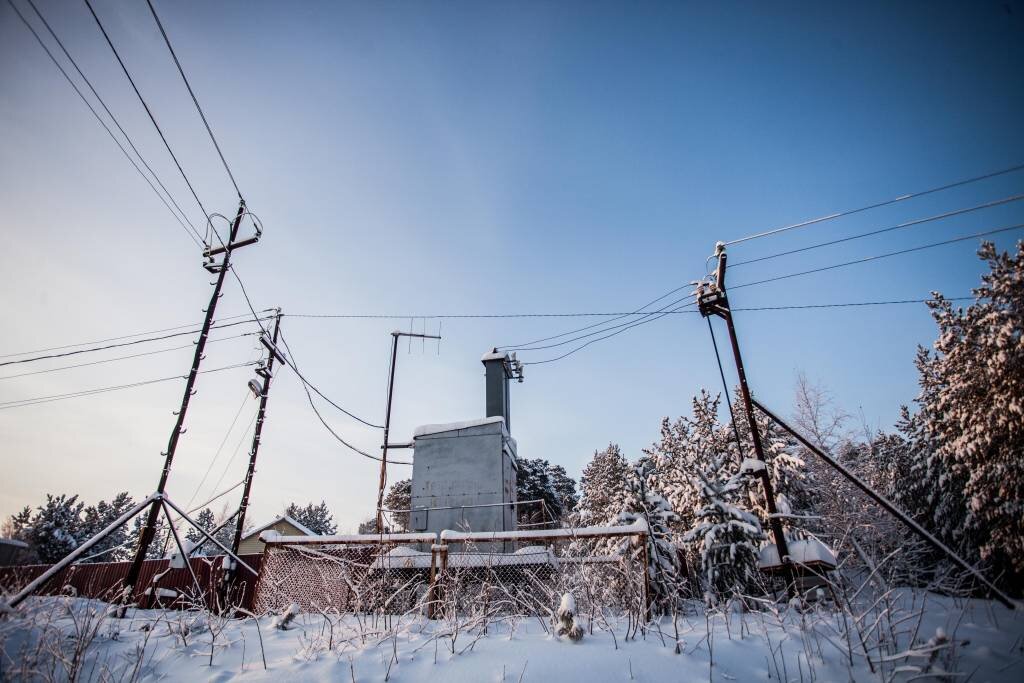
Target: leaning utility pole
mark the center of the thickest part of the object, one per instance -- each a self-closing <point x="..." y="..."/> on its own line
<point x="266" y="373"/>
<point x="387" y="422"/>
<point x="712" y="300"/>
<point x="149" y="530"/>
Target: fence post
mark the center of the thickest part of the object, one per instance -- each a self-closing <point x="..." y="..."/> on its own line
<point x="432" y="589"/>
<point x="642" y="540"/>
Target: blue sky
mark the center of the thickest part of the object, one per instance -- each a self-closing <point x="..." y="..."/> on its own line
<point x="446" y="158"/>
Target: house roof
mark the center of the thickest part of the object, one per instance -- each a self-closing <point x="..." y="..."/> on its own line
<point x="282" y="518"/>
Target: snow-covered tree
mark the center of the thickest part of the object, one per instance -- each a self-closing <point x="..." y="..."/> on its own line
<point x="55" y="528"/>
<point x="680" y="452"/>
<point x="970" y="427"/>
<point x="97" y="517"/>
<point x="787" y="469"/>
<point x="602" y="488"/>
<point x="664" y="569"/>
<point x="316" y="518"/>
<point x="724" y="533"/>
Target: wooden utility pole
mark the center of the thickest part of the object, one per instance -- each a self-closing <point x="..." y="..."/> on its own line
<point x="267" y="374"/>
<point x="712" y="300"/>
<point x="149" y="530"/>
<point x="387" y="422"/>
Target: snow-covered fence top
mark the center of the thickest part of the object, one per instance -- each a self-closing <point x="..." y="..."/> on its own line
<point x="271" y="536"/>
<point x="451" y="536"/>
<point x="637" y="527"/>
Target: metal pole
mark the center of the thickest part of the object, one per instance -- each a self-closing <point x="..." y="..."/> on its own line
<point x="387" y="428"/>
<point x="146" y="537"/>
<point x="891" y="508"/>
<point x="723" y="310"/>
<point x="260" y="416"/>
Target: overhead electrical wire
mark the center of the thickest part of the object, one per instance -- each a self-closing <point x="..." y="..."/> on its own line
<point x="289" y="360"/>
<point x="120" y="358"/>
<point x="146" y="107"/>
<point x="119" y="344"/>
<point x="870" y="233"/>
<point x="186" y="225"/>
<point x="102" y="390"/>
<point x="234" y="454"/>
<point x="604" y="329"/>
<point x="603" y="322"/>
<point x="901" y="198"/>
<point x="333" y="433"/>
<point x="193" y="94"/>
<point x="245" y="399"/>
<point x="880" y="256"/>
<point x="617" y="332"/>
<point x="124" y="336"/>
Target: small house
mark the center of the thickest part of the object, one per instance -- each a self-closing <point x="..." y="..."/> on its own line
<point x="284" y="525"/>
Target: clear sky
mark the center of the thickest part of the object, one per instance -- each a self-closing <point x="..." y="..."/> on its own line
<point x="457" y="157"/>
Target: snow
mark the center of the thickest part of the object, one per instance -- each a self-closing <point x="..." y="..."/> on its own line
<point x="176" y="646"/>
<point x="801" y="552"/>
<point x="426" y="430"/>
<point x="637" y="527"/>
<point x="494" y="355"/>
<point x="272" y="536"/>
<point x="752" y="466"/>
<point x="282" y="518"/>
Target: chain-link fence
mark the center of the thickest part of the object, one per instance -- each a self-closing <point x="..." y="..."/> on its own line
<point x="501" y="573"/>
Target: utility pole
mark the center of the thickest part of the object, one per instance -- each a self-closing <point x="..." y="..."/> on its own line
<point x="149" y="530"/>
<point x="266" y="373"/>
<point x="387" y="422"/>
<point x="712" y="300"/>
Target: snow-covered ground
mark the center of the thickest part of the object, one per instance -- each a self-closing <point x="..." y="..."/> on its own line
<point x="976" y="640"/>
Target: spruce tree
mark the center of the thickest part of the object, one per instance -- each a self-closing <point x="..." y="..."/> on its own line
<point x="970" y="426"/>
<point x="664" y="569"/>
<point x="316" y="518"/>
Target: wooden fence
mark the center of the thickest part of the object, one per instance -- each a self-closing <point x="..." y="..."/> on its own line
<point x="104" y="580"/>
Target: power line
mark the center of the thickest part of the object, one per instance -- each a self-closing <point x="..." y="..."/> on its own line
<point x="102" y="390"/>
<point x="605" y="329"/>
<point x="216" y="455"/>
<point x="111" y="115"/>
<point x="194" y="99"/>
<point x="118" y="345"/>
<point x="880" y="256"/>
<point x="608" y="336"/>
<point x="188" y="228"/>
<point x="847" y="305"/>
<point x="234" y="454"/>
<point x="124" y="336"/>
<point x="320" y="417"/>
<point x="146" y="107"/>
<point x="581" y="329"/>
<point x="888" y="202"/>
<point x="870" y="233"/>
<point x="119" y="358"/>
<point x="289" y="360"/>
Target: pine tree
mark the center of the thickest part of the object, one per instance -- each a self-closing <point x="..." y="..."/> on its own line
<point x="316" y="518"/>
<point x="56" y="527"/>
<point x="602" y="488"/>
<point x="97" y="517"/>
<point x="679" y="455"/>
<point x="787" y="470"/>
<point x="970" y="426"/>
<point x="537" y="479"/>
<point x="724" y="534"/>
<point x="399" y="497"/>
<point x="664" y="569"/>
